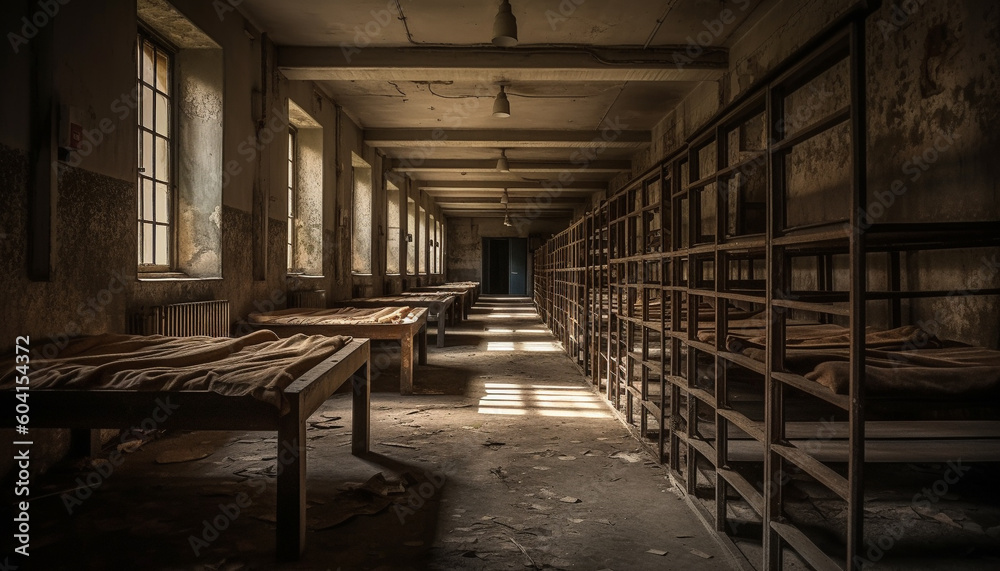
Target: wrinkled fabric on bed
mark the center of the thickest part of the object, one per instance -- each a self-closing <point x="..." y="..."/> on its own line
<point x="259" y="365"/>
<point x="336" y="316"/>
<point x="904" y="361"/>
<point x="419" y="297"/>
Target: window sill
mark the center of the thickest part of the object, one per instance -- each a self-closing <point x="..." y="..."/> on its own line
<point x="172" y="277"/>
<point x="303" y="277"/>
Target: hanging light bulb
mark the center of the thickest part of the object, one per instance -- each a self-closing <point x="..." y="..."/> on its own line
<point x="504" y="199"/>
<point x="501" y="107"/>
<point x="505" y="27"/>
<point x="502" y="164"/>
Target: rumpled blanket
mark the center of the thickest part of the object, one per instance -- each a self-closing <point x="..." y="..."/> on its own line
<point x="336" y="316"/>
<point x="260" y="364"/>
<point x="904" y="361"/>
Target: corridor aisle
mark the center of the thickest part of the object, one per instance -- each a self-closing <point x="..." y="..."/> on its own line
<point x="503" y="459"/>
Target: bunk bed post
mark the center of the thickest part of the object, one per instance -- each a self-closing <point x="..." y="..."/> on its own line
<point x="721" y="308"/>
<point x="675" y="321"/>
<point x="666" y="178"/>
<point x="291" y="494"/>
<point x="772" y="552"/>
<point x="721" y="401"/>
<point x="858" y="279"/>
<point x="361" y="407"/>
<point x="895" y="285"/>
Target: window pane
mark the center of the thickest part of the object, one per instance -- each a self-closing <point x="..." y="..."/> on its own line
<point x="162" y="115"/>
<point x="162" y="203"/>
<point x="162" y="245"/>
<point x="392" y="235"/>
<point x="147" y="199"/>
<point x="362" y="221"/>
<point x="162" y="159"/>
<point x="155" y="198"/>
<point x="147" y="243"/>
<point x="411" y="232"/>
<point x="147" y="107"/>
<point x="162" y="74"/>
<point x="147" y="153"/>
<point x="147" y="62"/>
<point x="422" y="231"/>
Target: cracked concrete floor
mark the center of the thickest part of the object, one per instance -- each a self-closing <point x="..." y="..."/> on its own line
<point x="504" y="459"/>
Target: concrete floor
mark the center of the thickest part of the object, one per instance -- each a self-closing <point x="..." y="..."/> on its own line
<point x="505" y="457"/>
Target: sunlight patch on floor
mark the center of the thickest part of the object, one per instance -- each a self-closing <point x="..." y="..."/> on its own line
<point x="541" y="400"/>
<point x="528" y="346"/>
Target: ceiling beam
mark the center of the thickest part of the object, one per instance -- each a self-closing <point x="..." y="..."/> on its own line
<point x="513" y="201"/>
<point x="564" y="213"/>
<point x="494" y="194"/>
<point x="462" y="186"/>
<point x="471" y="64"/>
<point x="490" y="166"/>
<point x="612" y="136"/>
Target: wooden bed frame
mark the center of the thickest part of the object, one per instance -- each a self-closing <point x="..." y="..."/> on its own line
<point x="444" y="309"/>
<point x="405" y="333"/>
<point x="474" y="285"/>
<point x="200" y="410"/>
<point x="468" y="294"/>
<point x="459" y="306"/>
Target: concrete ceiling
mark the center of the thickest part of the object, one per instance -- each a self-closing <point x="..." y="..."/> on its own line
<point x="586" y="83"/>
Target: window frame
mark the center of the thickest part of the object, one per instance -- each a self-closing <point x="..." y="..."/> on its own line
<point x="145" y="35"/>
<point x="389" y="228"/>
<point x="293" y="199"/>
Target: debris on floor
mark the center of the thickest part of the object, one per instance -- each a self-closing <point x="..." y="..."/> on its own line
<point x="176" y="456"/>
<point x="630" y="457"/>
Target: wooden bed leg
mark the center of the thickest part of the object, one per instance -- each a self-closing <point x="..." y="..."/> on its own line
<point x="422" y="344"/>
<point x="441" y="329"/>
<point x="84" y="442"/>
<point x="406" y="365"/>
<point x="361" y="413"/>
<point x="291" y="503"/>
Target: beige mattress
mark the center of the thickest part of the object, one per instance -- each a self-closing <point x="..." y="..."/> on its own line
<point x="903" y="361"/>
<point x="336" y="316"/>
<point x="259" y="365"/>
<point x="424" y="297"/>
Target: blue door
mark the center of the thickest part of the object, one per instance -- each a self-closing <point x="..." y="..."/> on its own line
<point x="518" y="266"/>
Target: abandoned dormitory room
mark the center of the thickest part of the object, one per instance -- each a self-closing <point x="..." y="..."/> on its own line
<point x="498" y="285"/>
